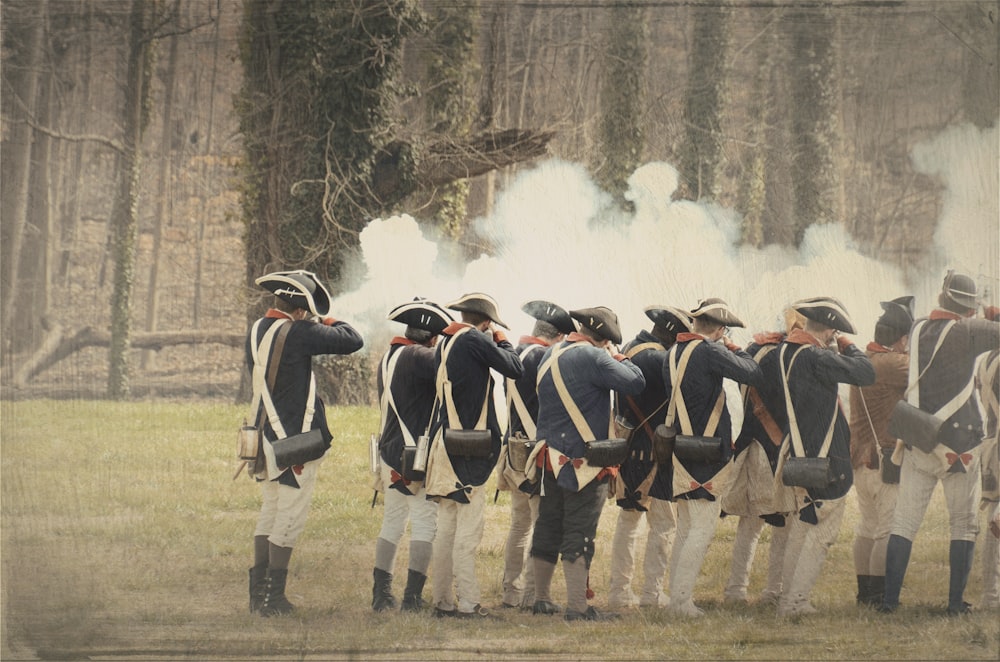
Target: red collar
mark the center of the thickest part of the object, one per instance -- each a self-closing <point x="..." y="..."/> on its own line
<point x="801" y="337"/>
<point x="455" y="327"/>
<point x="768" y="337"/>
<point x="685" y="336"/>
<point x="876" y="348"/>
<point x="939" y="314"/>
<point x="400" y="340"/>
<point x="532" y="340"/>
<point x="274" y="313"/>
<point x="576" y="336"/>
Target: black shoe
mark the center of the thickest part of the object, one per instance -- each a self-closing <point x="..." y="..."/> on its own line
<point x="590" y="615"/>
<point x="545" y="607"/>
<point x="444" y="613"/>
<point x="477" y="612"/>
<point x="275" y="603"/>
<point x="886" y="609"/>
<point x="965" y="608"/>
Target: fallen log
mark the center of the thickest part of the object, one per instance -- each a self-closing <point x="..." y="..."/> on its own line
<point x="58" y="344"/>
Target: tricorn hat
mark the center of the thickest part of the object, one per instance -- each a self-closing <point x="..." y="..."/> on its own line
<point x="672" y="319"/>
<point x="477" y="302"/>
<point x="421" y="314"/>
<point x="546" y="311"/>
<point x="898" y="313"/>
<point x="600" y="320"/>
<point x="961" y="289"/>
<point x="716" y="310"/>
<point x="299" y="288"/>
<point x="827" y="311"/>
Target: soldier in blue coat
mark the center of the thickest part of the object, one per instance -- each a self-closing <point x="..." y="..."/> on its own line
<point x="814" y="362"/>
<point x="575" y="381"/>
<point x="466" y="353"/>
<point x="552" y="324"/>
<point x="643" y="488"/>
<point x="944" y="350"/>
<point x="696" y="366"/>
<point x="406" y="388"/>
<point x="301" y="309"/>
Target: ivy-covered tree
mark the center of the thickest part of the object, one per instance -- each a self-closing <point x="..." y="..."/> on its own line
<point x="622" y="98"/>
<point x="701" y="152"/>
<point x="815" y="126"/>
<point x="316" y="113"/>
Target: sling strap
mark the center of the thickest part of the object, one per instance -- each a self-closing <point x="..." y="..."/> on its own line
<point x="630" y="354"/>
<point x="793" y="423"/>
<point x="760" y="410"/>
<point x="262" y="388"/>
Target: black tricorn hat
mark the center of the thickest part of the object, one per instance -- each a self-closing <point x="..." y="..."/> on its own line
<point x="600" y="320"/>
<point x="477" y="302"/>
<point x="672" y="319"/>
<point x="718" y="311"/>
<point x="961" y="289"/>
<point x="827" y="311"/>
<point x="898" y="313"/>
<point x="299" y="288"/>
<point x="421" y="314"/>
<point x="546" y="311"/>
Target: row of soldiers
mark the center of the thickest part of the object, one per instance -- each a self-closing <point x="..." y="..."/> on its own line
<point x="647" y="425"/>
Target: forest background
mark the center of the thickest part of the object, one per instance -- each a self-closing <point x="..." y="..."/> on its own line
<point x="158" y="156"/>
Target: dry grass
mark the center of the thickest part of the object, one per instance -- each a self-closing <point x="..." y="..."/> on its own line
<point x="123" y="536"/>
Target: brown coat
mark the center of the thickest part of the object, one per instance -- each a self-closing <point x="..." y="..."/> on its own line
<point x="891" y="370"/>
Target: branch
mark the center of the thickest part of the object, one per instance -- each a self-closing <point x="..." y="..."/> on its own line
<point x="58" y="345"/>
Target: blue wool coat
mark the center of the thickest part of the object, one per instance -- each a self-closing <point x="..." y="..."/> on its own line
<point x="470" y="358"/>
<point x="639" y="463"/>
<point x="305" y="340"/>
<point x="590" y="374"/>
<point x="413" y="394"/>
<point x="700" y="387"/>
<point x="812" y="383"/>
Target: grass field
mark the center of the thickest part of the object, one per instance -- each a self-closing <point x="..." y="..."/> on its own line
<point x="124" y="536"/>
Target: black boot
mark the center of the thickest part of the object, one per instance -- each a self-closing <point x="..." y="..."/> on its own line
<point x="878" y="590"/>
<point x="275" y="602"/>
<point x="897" y="557"/>
<point x="960" y="554"/>
<point x="382" y="591"/>
<point x="258" y="587"/>
<point x="411" y="594"/>
<point x="868" y="594"/>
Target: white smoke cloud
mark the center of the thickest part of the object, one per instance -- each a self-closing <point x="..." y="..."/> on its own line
<point x="557" y="237"/>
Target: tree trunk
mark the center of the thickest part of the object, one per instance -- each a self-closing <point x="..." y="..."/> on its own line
<point x="164" y="188"/>
<point x="815" y="126"/>
<point x="124" y="214"/>
<point x="622" y="100"/>
<point x="18" y="163"/>
<point x="700" y="158"/>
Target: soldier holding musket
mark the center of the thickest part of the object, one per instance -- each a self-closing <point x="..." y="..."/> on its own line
<point x="697" y="364"/>
<point x="575" y="382"/>
<point x="552" y="323"/>
<point x="643" y="488"/>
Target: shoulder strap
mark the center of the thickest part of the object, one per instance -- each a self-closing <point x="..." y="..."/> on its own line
<point x="912" y="393"/>
<point x="388" y="402"/>
<point x="276" y="334"/>
<point x="793" y="423"/>
<point x="445" y="394"/>
<point x="582" y="426"/>
<point x="515" y="400"/>
<point x="677" y="407"/>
